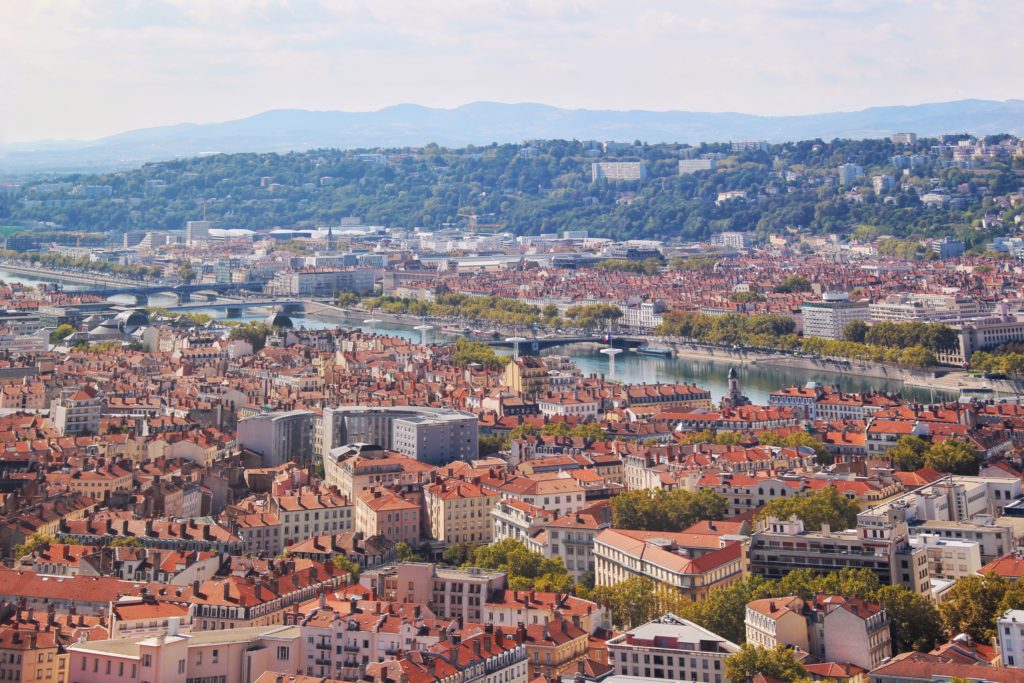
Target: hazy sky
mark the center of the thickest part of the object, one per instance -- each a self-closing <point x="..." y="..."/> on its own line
<point x="87" y="68"/>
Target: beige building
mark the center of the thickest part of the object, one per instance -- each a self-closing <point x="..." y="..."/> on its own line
<point x="460" y="511"/>
<point x="693" y="564"/>
<point x="384" y="512"/>
<point x="449" y="593"/>
<point x="831" y="628"/>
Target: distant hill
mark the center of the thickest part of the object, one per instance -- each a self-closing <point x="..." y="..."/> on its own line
<point x="482" y="123"/>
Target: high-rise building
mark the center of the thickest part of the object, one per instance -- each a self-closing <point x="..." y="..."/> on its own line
<point x="279" y="437"/>
<point x="197" y="232"/>
<point x="850" y="173"/>
<point x="828" y="318"/>
<point x="903" y="138"/>
<point x="693" y="165"/>
<point x="618" y="170"/>
<point x="433" y="435"/>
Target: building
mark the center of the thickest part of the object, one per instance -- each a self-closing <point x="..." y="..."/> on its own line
<point x="879" y="543"/>
<point x="831" y="628"/>
<point x="230" y="656"/>
<point x="687" y="166"/>
<point x="449" y="593"/>
<point x="828" y="318"/>
<point x="459" y="511"/>
<point x="749" y="146"/>
<point x="693" y="564"/>
<point x="528" y="375"/>
<point x="1010" y="632"/>
<point x="618" y="170"/>
<point x="947" y="247"/>
<point x="431" y="435"/>
<point x="77" y="411"/>
<point x="850" y="174"/>
<point x="324" y="282"/>
<point x="671" y="648"/>
<point x="734" y="240"/>
<point x="390" y="514"/>
<point x="949" y="559"/>
<point x="279" y="437"/>
<point x="903" y="138"/>
<point x="357" y="467"/>
<point x="197" y="232"/>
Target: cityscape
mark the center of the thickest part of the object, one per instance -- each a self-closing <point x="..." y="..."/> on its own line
<point x="605" y="396"/>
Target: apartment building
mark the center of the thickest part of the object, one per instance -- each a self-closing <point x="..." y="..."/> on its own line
<point x="432" y="435"/>
<point x="1010" y="632"/>
<point x="694" y="564"/>
<point x="279" y="437"/>
<point x="390" y="514"/>
<point x="879" y="543"/>
<point x="449" y="593"/>
<point x="322" y="282"/>
<point x="357" y="467"/>
<point x="618" y="170"/>
<point x="459" y="511"/>
<point x="670" y="648"/>
<point x="828" y="318"/>
<point x="77" y="411"/>
<point x="232" y="656"/>
<point x="831" y="628"/>
<point x="310" y="512"/>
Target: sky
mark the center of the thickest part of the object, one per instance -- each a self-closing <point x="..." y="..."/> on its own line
<point x="83" y="69"/>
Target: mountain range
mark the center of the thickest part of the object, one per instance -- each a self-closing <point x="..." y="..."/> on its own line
<point x="482" y="123"/>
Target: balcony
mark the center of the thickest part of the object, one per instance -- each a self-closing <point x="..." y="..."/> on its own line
<point x="351" y="647"/>
<point x="322" y="662"/>
<point x="323" y="646"/>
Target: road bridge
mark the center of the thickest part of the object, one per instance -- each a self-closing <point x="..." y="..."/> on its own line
<point x="234" y="307"/>
<point x="535" y="344"/>
<point x="182" y="291"/>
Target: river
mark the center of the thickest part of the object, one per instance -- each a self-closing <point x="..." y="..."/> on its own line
<point x="757" y="381"/>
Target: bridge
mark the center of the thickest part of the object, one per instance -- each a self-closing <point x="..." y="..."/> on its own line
<point x="235" y="307"/>
<point x="535" y="344"/>
<point x="183" y="292"/>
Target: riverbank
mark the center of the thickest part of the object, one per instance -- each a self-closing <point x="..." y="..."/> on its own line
<point x="39" y="272"/>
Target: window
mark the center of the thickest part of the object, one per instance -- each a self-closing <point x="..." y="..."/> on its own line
<point x="181" y="666"/>
<point x="147" y="660"/>
<point x="282" y="653"/>
<point x="215" y="656"/>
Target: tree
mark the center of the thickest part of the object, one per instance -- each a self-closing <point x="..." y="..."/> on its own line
<point x="779" y="662"/>
<point x="187" y="273"/>
<point x="952" y="455"/>
<point x="126" y="542"/>
<point x="457" y="554"/>
<point x="524" y="567"/>
<point x="824" y="506"/>
<point x="344" y="564"/>
<point x="254" y="332"/>
<point x="405" y="553"/>
<point x="908" y="453"/>
<point x="638" y="599"/>
<point x="488" y="444"/>
<point x="793" y="284"/>
<point x="32" y="543"/>
<point x="914" y="619"/>
<point x="661" y="510"/>
<point x="347" y="299"/>
<point x="61" y="332"/>
<point x="855" y="331"/>
<point x="972" y="606"/>
<point x="467" y="351"/>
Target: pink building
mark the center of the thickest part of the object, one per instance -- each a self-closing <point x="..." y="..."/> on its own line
<point x="231" y="656"/>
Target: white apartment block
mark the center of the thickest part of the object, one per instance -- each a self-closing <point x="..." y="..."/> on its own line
<point x="618" y="170"/>
<point x="828" y="318"/>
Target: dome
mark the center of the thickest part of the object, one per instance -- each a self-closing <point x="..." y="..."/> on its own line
<point x="130" y="319"/>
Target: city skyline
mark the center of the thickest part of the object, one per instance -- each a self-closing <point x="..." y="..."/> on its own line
<point x="79" y="70"/>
